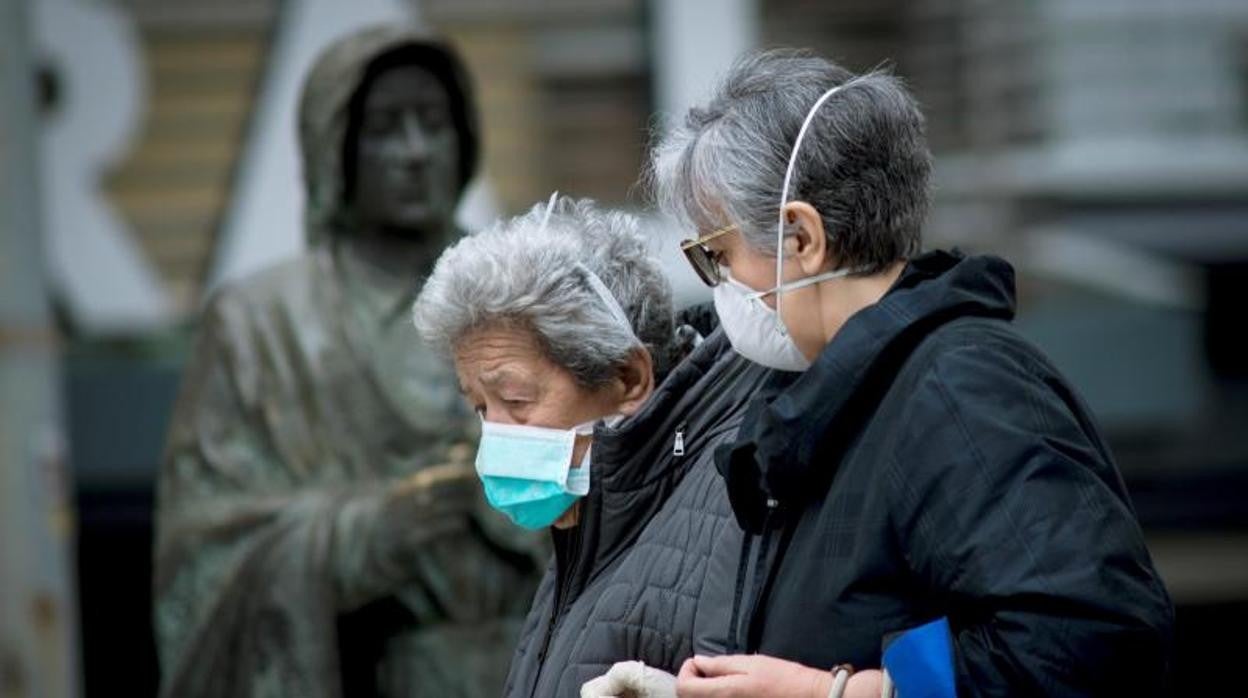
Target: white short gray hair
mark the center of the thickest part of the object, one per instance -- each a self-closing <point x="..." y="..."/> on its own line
<point x="517" y="272"/>
<point x="864" y="164"/>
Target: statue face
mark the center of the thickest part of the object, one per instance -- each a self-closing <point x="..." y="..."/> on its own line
<point x="407" y="159"/>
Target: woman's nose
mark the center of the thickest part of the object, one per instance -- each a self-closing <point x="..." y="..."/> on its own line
<point x="415" y="140"/>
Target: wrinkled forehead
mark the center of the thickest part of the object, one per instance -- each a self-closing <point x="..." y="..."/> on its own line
<point x="497" y="352"/>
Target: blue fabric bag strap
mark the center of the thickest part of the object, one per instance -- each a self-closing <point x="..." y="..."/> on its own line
<point x="920" y="661"/>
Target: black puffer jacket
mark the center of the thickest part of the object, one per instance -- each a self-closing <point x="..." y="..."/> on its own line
<point x="933" y="464"/>
<point x="647" y="574"/>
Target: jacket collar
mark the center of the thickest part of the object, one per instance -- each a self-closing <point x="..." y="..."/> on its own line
<point x="774" y="457"/>
<point x="634" y="465"/>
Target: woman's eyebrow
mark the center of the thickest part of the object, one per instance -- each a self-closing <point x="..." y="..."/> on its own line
<point x="505" y="377"/>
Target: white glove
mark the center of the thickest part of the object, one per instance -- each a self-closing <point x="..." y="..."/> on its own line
<point x="631" y="680"/>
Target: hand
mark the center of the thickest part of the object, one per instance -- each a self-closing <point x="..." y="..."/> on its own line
<point x="430" y="504"/>
<point x="753" y="676"/>
<point x="759" y="676"/>
<point x="631" y="680"/>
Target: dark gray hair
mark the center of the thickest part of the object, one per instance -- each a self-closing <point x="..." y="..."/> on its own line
<point x="517" y="272"/>
<point x="863" y="163"/>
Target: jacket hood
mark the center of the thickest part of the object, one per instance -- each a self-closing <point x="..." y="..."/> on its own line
<point x="775" y="453"/>
<point x="324" y="112"/>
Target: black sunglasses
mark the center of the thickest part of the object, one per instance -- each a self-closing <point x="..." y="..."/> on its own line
<point x="702" y="259"/>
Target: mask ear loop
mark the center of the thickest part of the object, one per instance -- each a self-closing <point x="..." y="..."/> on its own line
<point x="595" y="282"/>
<point x="788" y="180"/>
<point x="550" y="206"/>
<point x="613" y="306"/>
<point x="600" y="289"/>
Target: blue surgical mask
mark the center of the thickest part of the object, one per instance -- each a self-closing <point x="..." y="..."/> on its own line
<point x="527" y="471"/>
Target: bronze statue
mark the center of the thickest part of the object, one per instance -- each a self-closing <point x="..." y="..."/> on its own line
<point x="320" y="528"/>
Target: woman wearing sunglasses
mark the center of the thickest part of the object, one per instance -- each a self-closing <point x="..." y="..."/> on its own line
<point x="929" y="496"/>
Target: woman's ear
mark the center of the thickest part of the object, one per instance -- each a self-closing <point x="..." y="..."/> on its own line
<point x="636" y="379"/>
<point x="808" y="244"/>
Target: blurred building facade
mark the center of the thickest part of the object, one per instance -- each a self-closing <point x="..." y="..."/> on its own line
<point x="564" y="93"/>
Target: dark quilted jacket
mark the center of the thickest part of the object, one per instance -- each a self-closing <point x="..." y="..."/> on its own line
<point x="648" y="574"/>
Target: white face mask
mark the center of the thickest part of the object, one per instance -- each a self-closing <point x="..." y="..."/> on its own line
<point x="756" y="331"/>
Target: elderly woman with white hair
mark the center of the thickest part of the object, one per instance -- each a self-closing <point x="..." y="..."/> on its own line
<point x="594" y="425"/>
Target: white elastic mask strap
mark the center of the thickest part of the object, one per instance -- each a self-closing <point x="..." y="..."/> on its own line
<point x="803" y="283"/>
<point x="585" y="428"/>
<point x="613" y="306"/>
<point x="788" y="180"/>
<point x="550" y="206"/>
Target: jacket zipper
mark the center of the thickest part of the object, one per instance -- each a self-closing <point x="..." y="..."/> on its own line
<point x="760" y="564"/>
<point x="743" y="568"/>
<point x="562" y="583"/>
